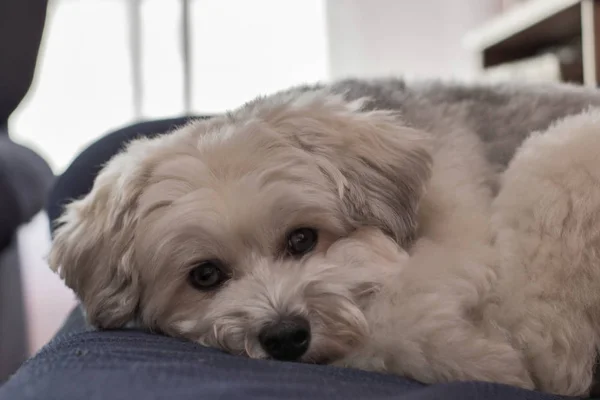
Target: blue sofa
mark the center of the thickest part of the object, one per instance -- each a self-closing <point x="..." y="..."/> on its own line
<point x="127" y="364"/>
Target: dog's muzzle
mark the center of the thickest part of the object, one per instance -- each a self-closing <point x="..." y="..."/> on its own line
<point x="286" y="339"/>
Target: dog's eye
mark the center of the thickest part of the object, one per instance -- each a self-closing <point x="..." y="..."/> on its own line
<point x="207" y="275"/>
<point x="301" y="241"/>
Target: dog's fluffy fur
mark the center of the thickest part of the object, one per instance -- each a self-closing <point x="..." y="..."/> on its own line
<point x="459" y="230"/>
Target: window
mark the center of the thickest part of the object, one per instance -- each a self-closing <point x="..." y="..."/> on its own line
<point x="107" y="63"/>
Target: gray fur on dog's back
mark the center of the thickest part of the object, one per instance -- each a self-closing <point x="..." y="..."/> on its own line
<point x="501" y="115"/>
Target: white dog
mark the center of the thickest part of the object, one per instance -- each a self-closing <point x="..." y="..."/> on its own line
<point x="368" y="224"/>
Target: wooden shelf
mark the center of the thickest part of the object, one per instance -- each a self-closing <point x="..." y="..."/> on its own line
<point x="535" y="25"/>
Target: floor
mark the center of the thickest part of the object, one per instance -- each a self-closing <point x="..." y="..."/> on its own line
<point x="47" y="299"/>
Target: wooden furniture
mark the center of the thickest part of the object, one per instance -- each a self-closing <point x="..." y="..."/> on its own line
<point x="528" y="28"/>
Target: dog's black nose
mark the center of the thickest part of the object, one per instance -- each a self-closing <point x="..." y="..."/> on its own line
<point x="286" y="339"/>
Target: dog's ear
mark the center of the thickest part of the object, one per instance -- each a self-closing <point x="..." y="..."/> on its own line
<point x="379" y="165"/>
<point x="92" y="247"/>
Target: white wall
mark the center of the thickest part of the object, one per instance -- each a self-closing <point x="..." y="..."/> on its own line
<point x="247" y="48"/>
<point x="412" y="38"/>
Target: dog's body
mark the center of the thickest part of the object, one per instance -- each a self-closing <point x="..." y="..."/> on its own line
<point x="370" y="224"/>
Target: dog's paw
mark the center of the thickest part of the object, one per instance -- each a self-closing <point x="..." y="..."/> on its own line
<point x="371" y="362"/>
<point x="502" y="368"/>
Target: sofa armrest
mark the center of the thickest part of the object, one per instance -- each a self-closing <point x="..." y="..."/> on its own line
<point x="25" y="180"/>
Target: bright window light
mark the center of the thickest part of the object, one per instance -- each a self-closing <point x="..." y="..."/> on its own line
<point x="239" y="49"/>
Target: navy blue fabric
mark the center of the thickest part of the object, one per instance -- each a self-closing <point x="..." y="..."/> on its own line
<point x="137" y="365"/>
<point x="128" y="365"/>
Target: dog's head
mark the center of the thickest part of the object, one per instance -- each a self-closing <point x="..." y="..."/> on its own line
<point x="223" y="231"/>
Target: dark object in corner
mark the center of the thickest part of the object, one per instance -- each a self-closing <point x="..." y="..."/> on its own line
<point x="25" y="178"/>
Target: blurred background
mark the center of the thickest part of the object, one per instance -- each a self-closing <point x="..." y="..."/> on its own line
<point x="103" y="64"/>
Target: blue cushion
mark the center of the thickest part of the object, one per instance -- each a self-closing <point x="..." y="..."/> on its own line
<point x="131" y="365"/>
<point x="137" y="365"/>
